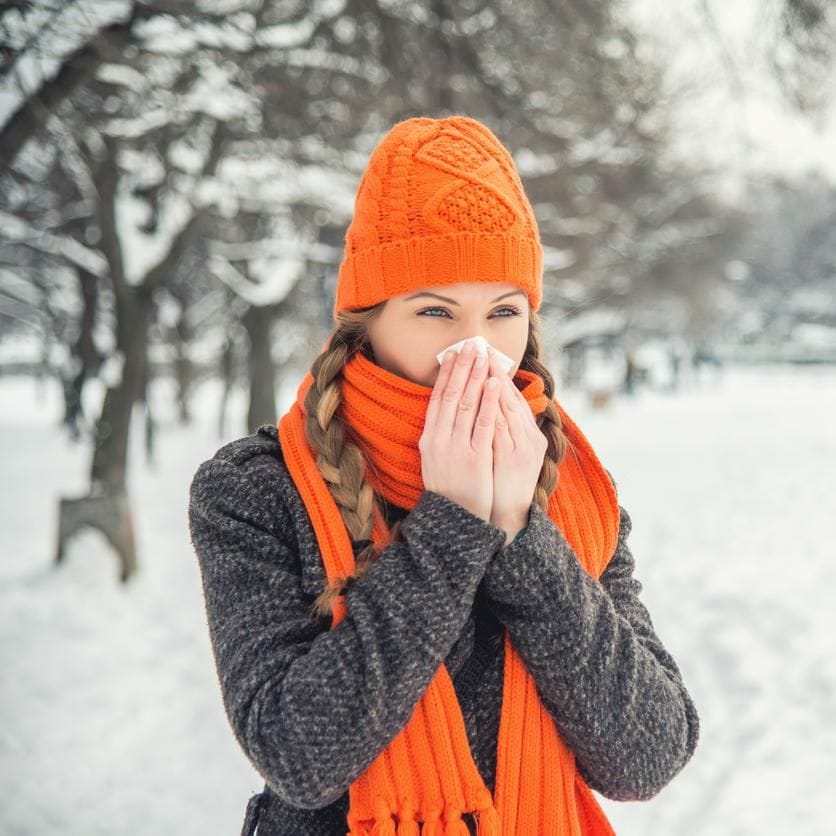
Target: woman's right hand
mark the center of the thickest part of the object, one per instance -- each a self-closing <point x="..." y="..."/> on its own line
<point x="457" y="443"/>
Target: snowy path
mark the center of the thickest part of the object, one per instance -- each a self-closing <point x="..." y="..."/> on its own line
<point x="112" y="720"/>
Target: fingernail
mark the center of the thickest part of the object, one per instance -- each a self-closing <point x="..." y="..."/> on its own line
<point x="480" y="361"/>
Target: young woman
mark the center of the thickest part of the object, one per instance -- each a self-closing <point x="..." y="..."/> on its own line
<point x="418" y="585"/>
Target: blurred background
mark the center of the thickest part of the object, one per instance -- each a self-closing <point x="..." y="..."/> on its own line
<point x="176" y="179"/>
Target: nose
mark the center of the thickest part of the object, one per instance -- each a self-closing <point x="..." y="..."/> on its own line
<point x="457" y="345"/>
<point x="470" y="324"/>
<point x="469" y="328"/>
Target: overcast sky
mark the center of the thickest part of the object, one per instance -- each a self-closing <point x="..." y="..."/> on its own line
<point x="734" y="116"/>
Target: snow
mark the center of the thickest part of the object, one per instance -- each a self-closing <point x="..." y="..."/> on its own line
<point x="274" y="278"/>
<point x="124" y="75"/>
<point x="141" y="252"/>
<point x="62" y="28"/>
<point x="286" y="35"/>
<point x="113" y="721"/>
<point x="17" y="229"/>
<point x="814" y="335"/>
<point x="593" y="323"/>
<point x="558" y="258"/>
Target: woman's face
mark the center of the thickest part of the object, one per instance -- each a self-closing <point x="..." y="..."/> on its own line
<point x="412" y="328"/>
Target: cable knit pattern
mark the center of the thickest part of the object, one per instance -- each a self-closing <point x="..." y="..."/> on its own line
<point x="440" y="202"/>
<point x="311" y="706"/>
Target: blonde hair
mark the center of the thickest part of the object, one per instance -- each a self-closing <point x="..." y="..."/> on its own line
<point x="338" y="451"/>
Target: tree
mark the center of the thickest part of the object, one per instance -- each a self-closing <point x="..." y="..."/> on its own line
<point x="201" y="162"/>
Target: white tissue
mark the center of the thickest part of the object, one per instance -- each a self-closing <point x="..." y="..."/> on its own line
<point x="481" y="345"/>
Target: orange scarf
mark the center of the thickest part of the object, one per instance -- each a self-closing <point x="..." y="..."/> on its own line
<point x="426" y="777"/>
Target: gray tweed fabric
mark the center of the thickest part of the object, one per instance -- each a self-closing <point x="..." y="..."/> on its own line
<point x="313" y="707"/>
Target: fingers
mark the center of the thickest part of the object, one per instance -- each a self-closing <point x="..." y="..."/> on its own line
<point x="516" y="401"/>
<point x="502" y="435"/>
<point x="464" y="418"/>
<point x="511" y="410"/>
<point x="447" y="364"/>
<point x="464" y="408"/>
<point x="485" y="427"/>
<point x="452" y="391"/>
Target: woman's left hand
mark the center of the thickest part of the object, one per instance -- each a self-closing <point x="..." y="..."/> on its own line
<point x="519" y="448"/>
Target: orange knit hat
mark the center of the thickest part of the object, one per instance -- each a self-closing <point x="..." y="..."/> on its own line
<point x="440" y="202"/>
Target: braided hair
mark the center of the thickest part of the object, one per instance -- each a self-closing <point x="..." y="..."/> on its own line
<point x="338" y="451"/>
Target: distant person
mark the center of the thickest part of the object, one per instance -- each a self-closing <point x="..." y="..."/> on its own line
<point x="631" y="371"/>
<point x="675" y="361"/>
<point x="367" y="560"/>
<point x="705" y="356"/>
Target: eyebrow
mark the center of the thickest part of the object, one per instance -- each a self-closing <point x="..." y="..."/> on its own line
<point x="453" y="301"/>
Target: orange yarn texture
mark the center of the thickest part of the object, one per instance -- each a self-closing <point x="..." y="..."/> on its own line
<point x="440" y="202"/>
<point x="424" y="780"/>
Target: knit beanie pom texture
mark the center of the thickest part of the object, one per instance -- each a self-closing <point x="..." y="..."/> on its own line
<point x="440" y="202"/>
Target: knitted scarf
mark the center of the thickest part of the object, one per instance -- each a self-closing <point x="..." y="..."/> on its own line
<point x="426" y="777"/>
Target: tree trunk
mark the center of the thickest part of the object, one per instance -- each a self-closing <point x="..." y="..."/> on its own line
<point x="86" y="357"/>
<point x="257" y="321"/>
<point x="110" y="457"/>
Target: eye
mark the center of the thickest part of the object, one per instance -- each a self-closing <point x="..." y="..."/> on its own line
<point x="513" y="311"/>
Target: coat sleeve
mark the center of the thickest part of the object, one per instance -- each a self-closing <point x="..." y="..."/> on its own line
<point x="312" y="707"/>
<point x="614" y="691"/>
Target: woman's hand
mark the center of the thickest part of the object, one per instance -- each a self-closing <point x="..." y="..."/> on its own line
<point x="455" y="447"/>
<point x="519" y="448"/>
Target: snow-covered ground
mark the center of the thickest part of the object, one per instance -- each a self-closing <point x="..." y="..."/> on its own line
<point x="112" y="721"/>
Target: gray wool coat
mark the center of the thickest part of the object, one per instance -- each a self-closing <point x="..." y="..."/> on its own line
<point x="312" y="707"/>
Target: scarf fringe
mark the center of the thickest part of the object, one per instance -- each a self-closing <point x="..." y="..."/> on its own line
<point x="488" y="824"/>
<point x="384" y="828"/>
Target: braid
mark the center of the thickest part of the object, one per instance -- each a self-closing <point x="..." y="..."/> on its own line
<point x="343" y="465"/>
<point x="549" y="420"/>
<point x="338" y="453"/>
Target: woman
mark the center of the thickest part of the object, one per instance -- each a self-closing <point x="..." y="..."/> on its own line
<point x="418" y="585"/>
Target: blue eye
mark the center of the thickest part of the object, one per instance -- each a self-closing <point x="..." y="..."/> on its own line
<point x="513" y="311"/>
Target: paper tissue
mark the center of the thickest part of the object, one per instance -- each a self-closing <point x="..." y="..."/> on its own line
<point x="481" y="345"/>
